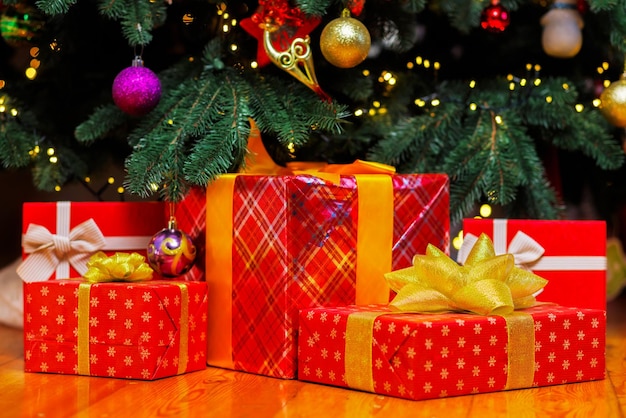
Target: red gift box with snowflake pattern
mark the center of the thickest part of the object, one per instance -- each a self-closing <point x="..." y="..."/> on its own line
<point x="278" y="243"/>
<point x="146" y="330"/>
<point x="424" y="356"/>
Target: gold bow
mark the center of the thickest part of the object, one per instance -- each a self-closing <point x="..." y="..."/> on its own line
<point x="486" y="285"/>
<point x="116" y="268"/>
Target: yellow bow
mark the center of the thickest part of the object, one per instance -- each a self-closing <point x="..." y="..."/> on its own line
<point x="118" y="267"/>
<point x="487" y="284"/>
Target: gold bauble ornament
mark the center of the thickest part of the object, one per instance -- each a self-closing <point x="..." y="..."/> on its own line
<point x="345" y="41"/>
<point x="613" y="103"/>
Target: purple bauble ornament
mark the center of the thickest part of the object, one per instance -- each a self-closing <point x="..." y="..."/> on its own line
<point x="171" y="252"/>
<point x="136" y="89"/>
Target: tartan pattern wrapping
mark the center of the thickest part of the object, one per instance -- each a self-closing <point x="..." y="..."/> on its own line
<point x="190" y="218"/>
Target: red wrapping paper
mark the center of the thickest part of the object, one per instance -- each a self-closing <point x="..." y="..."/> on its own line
<point x="292" y="245"/>
<point x="421" y="356"/>
<point x="190" y="216"/>
<point x="578" y="282"/>
<point x="136" y="331"/>
<point x="130" y="225"/>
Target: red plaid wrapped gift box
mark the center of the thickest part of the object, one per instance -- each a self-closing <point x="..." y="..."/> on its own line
<point x="423" y="356"/>
<point x="145" y="330"/>
<point x="59" y="237"/>
<point x="276" y="244"/>
<point x="571" y="255"/>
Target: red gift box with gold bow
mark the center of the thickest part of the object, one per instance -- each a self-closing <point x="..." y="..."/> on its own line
<point x="292" y="238"/>
<point x="453" y="330"/>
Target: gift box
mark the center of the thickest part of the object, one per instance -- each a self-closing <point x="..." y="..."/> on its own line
<point x="423" y="356"/>
<point x="190" y="216"/>
<point x="146" y="330"/>
<point x="571" y="255"/>
<point x="278" y="243"/>
<point x="59" y="237"/>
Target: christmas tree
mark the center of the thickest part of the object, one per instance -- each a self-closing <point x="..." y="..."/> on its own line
<point x="491" y="93"/>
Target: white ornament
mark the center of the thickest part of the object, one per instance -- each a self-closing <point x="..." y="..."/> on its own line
<point x="562" y="36"/>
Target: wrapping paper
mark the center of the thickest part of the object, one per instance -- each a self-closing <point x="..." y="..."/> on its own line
<point x="144" y="331"/>
<point x="571" y="255"/>
<point x="276" y="244"/>
<point x="423" y="356"/>
<point x="59" y="237"/>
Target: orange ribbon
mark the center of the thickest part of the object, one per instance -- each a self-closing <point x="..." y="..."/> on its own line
<point x="374" y="237"/>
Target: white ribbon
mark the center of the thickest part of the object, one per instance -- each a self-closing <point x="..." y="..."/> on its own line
<point x="528" y="253"/>
<point x="50" y="253"/>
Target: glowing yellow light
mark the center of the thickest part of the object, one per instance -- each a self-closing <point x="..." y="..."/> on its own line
<point x="371" y="112"/>
<point x="472" y="84"/>
<point x="358" y="112"/>
<point x="13" y="112"/>
<point x="50" y="151"/>
<point x="31" y="73"/>
<point x="600" y="70"/>
<point x="565" y="86"/>
<point x="409" y="65"/>
<point x="35" y="63"/>
<point x="498" y="119"/>
<point x="426" y="63"/>
<point x="376" y="103"/>
<point x="387" y="75"/>
<point x="419" y="60"/>
<point x="437" y="65"/>
<point x="529" y="67"/>
<point x="537" y="67"/>
<point x="36" y="149"/>
<point x="57" y="188"/>
<point x="457" y="242"/>
<point x="605" y="65"/>
<point x="233" y="22"/>
<point x="366" y="73"/>
<point x="435" y="102"/>
<point x="537" y="81"/>
<point x="291" y="147"/>
<point x="596" y="102"/>
<point x="382" y="111"/>
<point x="120" y="190"/>
<point x="606" y="83"/>
<point x="87" y="179"/>
<point x="111" y="180"/>
<point x="188" y="18"/>
<point x="485" y="211"/>
<point x="254" y="64"/>
<point x="154" y="187"/>
<point x="3" y="108"/>
<point x="225" y="28"/>
<point x="34" y="51"/>
<point x="420" y="102"/>
<point x="392" y="81"/>
<point x="549" y="99"/>
<point x="579" y="107"/>
<point x="233" y="47"/>
<point x="381" y="80"/>
<point x="509" y="77"/>
<point x="226" y="15"/>
<point x="522" y="82"/>
<point x="473" y="106"/>
<point x="170" y="122"/>
<point x="511" y="86"/>
<point x="54" y="46"/>
<point x="53" y="159"/>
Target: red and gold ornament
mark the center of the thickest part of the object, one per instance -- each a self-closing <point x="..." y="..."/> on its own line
<point x="171" y="252"/>
<point x="495" y="17"/>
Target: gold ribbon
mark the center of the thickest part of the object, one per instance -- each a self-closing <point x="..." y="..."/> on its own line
<point x="374" y="236"/>
<point x="120" y="267"/>
<point x="84" y="301"/>
<point x="486" y="285"/>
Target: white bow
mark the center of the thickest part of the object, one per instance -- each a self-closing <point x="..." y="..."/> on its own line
<point x="526" y="251"/>
<point x="47" y="251"/>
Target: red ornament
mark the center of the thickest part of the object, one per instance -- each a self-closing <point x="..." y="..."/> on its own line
<point x="495" y="18"/>
<point x="286" y="24"/>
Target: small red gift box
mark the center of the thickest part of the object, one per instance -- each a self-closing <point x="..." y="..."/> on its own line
<point x="59" y="237"/>
<point x="571" y="255"/>
<point x="146" y="330"/>
<point x="423" y="356"/>
<point x="278" y="243"/>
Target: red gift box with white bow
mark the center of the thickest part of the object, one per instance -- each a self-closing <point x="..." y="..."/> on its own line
<point x="570" y="254"/>
<point x="59" y="237"/>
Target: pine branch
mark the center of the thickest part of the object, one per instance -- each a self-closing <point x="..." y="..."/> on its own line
<point x="104" y="119"/>
<point x="137" y="22"/>
<point x="55" y="7"/>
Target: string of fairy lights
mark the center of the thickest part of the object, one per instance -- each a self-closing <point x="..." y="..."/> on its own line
<point x="376" y="106"/>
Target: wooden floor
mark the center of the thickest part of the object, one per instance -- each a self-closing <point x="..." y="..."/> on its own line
<point x="223" y="393"/>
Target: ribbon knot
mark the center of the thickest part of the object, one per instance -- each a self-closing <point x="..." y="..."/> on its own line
<point x="47" y="251"/>
<point x="525" y="250"/>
